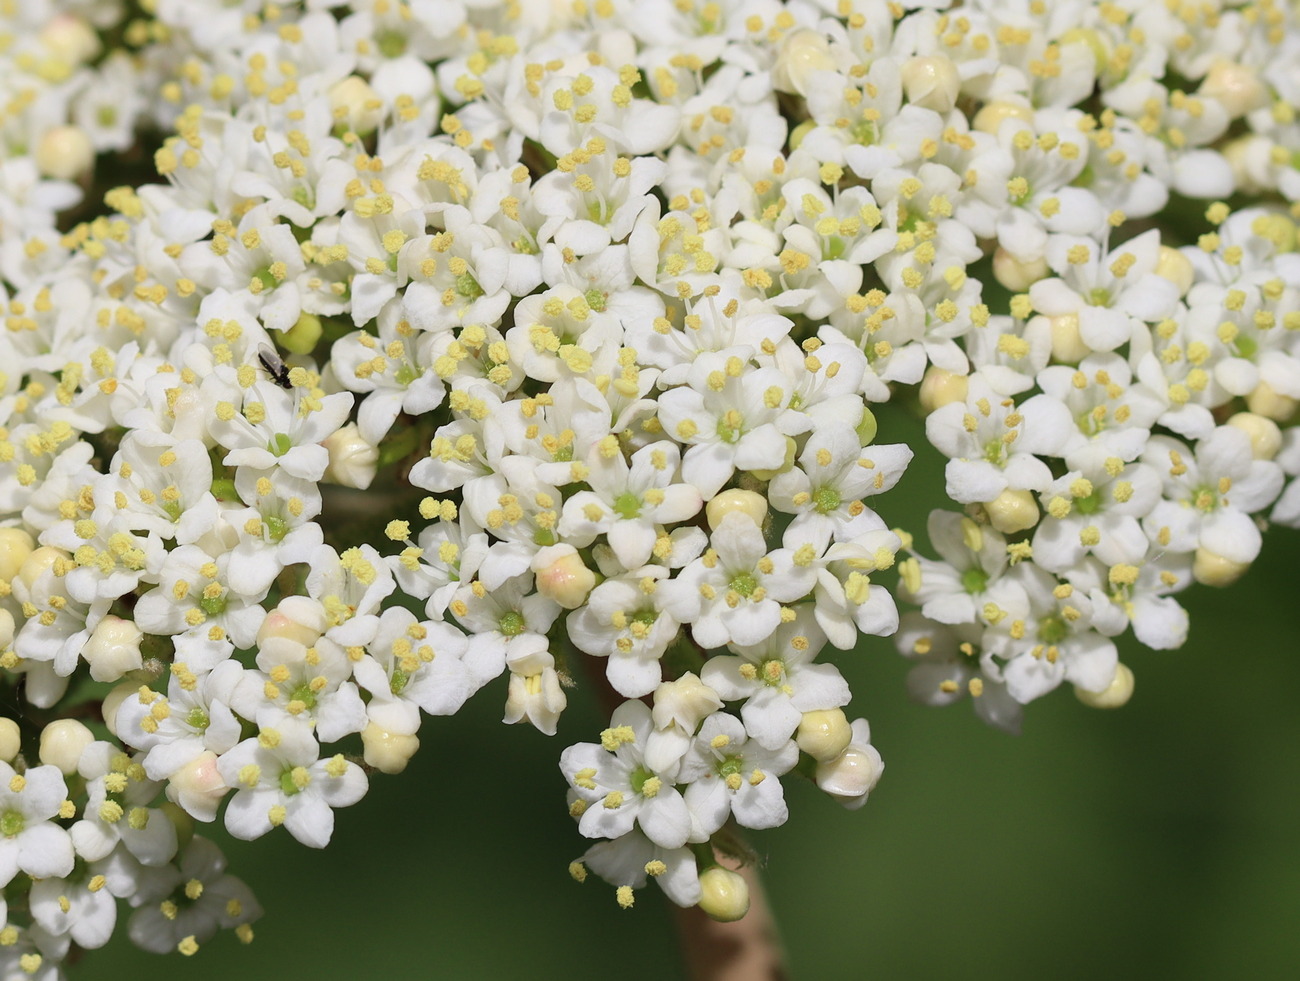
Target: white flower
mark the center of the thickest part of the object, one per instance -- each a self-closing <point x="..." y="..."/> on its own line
<point x="948" y="667"/>
<point x="118" y="793"/>
<point x="410" y="666"/>
<point x="30" y="841"/>
<point x="624" y="619"/>
<point x="731" y="774"/>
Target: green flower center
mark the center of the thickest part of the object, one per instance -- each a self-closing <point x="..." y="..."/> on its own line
<point x="305" y="694"/>
<point x="276" y="527"/>
<point x="826" y="500"/>
<point x="628" y="505"/>
<point x="398" y="682"/>
<point x="468" y="287"/>
<point x="638" y="778"/>
<point x="595" y="299"/>
<point x="511" y="623"/>
<point x="264" y="277"/>
<point x="1090" y="504"/>
<point x="730" y="766"/>
<point x="280" y="444"/>
<point x="197" y="719"/>
<point x="12" y="822"/>
<point x="391" y="44"/>
<point x="744" y="583"/>
<point x="974" y="579"/>
<point x="213" y="606"/>
<point x="1053" y="629"/>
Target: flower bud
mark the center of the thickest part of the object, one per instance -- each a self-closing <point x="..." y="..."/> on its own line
<point x="801" y="53"/>
<point x="991" y="116"/>
<point x="7" y="629"/>
<point x="355" y="105"/>
<point x="1265" y="401"/>
<point x="38" y="563"/>
<point x="15" y="546"/>
<point x="300" y="619"/>
<point x="791" y="451"/>
<point x="1114" y="695"/>
<point x="70" y="39"/>
<point x="852" y="775"/>
<point x="1068" y="346"/>
<point x="113" y="701"/>
<point x="799" y="132"/>
<point x="562" y="575"/>
<point x="931" y="81"/>
<point x="1175" y="267"/>
<point x="10" y="740"/>
<point x="1015" y="274"/>
<point x="867" y="427"/>
<point x="1265" y="436"/>
<point x="1211" y="569"/>
<point x="301" y="338"/>
<point x="113" y="649"/>
<point x="724" y="894"/>
<point x="62" y="743"/>
<point x="64" y="153"/>
<point x="353" y="461"/>
<point x="824" y="734"/>
<point x="534" y="693"/>
<point x="387" y="751"/>
<point x="1012" y="511"/>
<point x="941" y="386"/>
<point x="749" y="503"/>
<point x="686" y="702"/>
<point x="198" y="787"/>
<point x="1235" y="87"/>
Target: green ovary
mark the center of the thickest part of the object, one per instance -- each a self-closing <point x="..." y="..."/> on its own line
<point x="511" y="623"/>
<point x="744" y="583"/>
<point x="197" y="719"/>
<point x="628" y="505"/>
<point x="1052" y="630"/>
<point x="12" y="822"/>
<point x="974" y="580"/>
<point x="826" y="500"/>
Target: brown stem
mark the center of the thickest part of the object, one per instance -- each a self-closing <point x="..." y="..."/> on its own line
<point x="747" y="950"/>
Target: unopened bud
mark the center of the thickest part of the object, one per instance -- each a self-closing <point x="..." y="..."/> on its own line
<point x="990" y="118"/>
<point x="198" y="787"/>
<point x="113" y="649"/>
<point x="38" y="563"/>
<point x="15" y="546"/>
<point x="353" y="461"/>
<point x="1266" y="401"/>
<point x="301" y="338"/>
<point x="1265" y="436"/>
<point x="1114" y="695"/>
<point x="791" y="451"/>
<point x="113" y="701"/>
<point x="1015" y="274"/>
<point x="64" y="153"/>
<point x="824" y="734"/>
<point x="62" y="743"/>
<point x="1175" y="267"/>
<point x="70" y="39"/>
<point x="11" y="740"/>
<point x="563" y="576"/>
<point x="940" y="386"/>
<point x="1235" y="87"/>
<point x="931" y="81"/>
<point x="387" y="751"/>
<point x="7" y="629"/>
<point x="1068" y="345"/>
<point x="1012" y="511"/>
<point x="749" y="503"/>
<point x="1212" y="569"/>
<point x="852" y="775"/>
<point x="300" y="619"/>
<point x="724" y="894"/>
<point x="801" y="53"/>
<point x="356" y="106"/>
<point x="686" y="702"/>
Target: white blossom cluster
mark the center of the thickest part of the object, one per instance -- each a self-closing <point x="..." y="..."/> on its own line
<point x="588" y="303"/>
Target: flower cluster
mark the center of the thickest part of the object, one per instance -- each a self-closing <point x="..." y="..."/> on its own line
<point x="539" y="343"/>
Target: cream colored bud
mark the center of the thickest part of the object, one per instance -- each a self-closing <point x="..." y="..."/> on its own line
<point x="802" y="53"/>
<point x="1265" y="436"/>
<point x="749" y="503"/>
<point x="563" y="576"/>
<point x="113" y="701"/>
<point x="852" y="775"/>
<point x="931" y="81"/>
<point x="70" y="39"/>
<point x="38" y="563"/>
<point x="11" y="740"/>
<point x="1068" y="346"/>
<point x="353" y="461"/>
<point x="686" y="702"/>
<point x="1012" y="511"/>
<point x="724" y="894"/>
<point x="1266" y="401"/>
<point x="824" y="734"/>
<point x="15" y="546"/>
<point x="64" y="153"/>
<point x="113" y="649"/>
<point x="940" y="386"/>
<point x="355" y="105"/>
<point x="62" y="743"/>
<point x="1235" y="87"/>
<point x="198" y="787"/>
<point x="1250" y="160"/>
<point x="1211" y="569"/>
<point x="1114" y="695"/>
<point x="297" y="618"/>
<point x="1015" y="274"/>
<point x="791" y="450"/>
<point x="301" y="338"/>
<point x="387" y="751"/>
<point x="1175" y="267"/>
<point x="7" y="629"/>
<point x="1094" y="41"/>
<point x="991" y="116"/>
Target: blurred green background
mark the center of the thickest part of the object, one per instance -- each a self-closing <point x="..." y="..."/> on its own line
<point x="1156" y="841"/>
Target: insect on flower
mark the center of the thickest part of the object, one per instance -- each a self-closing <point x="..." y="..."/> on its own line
<point x="275" y="366"/>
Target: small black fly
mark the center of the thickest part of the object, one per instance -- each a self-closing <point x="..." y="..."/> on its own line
<point x="274" y="366"/>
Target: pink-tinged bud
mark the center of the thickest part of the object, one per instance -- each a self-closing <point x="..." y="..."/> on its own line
<point x="1015" y="274"/>
<point x="198" y="787"/>
<point x="562" y="575"/>
<point x="1114" y="695"/>
<point x="824" y="734"/>
<point x="724" y="894"/>
<point x="300" y="619"/>
<point x="1265" y="436"/>
<point x="940" y="387"/>
<point x="931" y="81"/>
<point x="387" y="751"/>
<point x="15" y="546"/>
<point x="353" y="461"/>
<point x="64" y="153"/>
<point x="113" y="649"/>
<point x="62" y="743"/>
<point x="749" y="503"/>
<point x="11" y="740"/>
